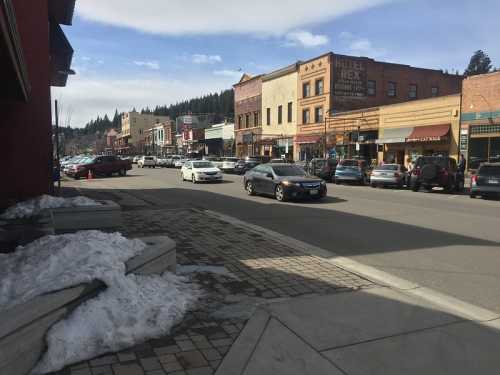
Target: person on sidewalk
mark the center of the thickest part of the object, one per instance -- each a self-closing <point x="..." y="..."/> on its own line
<point x="409" y="167"/>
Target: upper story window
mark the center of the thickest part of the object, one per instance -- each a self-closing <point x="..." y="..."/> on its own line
<point x="240" y="121"/>
<point x="318" y="114"/>
<point x="290" y="112"/>
<point x="306" y="116"/>
<point x="434" y="91"/>
<point x="319" y="87"/>
<point x="268" y="116"/>
<point x="391" y="89"/>
<point x="371" y="88"/>
<point x="256" y="118"/>
<point x="306" y="90"/>
<point x="280" y="114"/>
<point x="412" y="91"/>
<point x="247" y="120"/>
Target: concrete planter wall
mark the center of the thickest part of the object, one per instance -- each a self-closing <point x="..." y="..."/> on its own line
<point x="23" y="327"/>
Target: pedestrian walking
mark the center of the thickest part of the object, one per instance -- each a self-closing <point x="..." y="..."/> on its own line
<point x="409" y="166"/>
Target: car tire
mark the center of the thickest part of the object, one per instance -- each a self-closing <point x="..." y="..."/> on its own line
<point x="415" y="187"/>
<point x="373" y="185"/>
<point x="337" y="181"/>
<point x="76" y="177"/>
<point x="279" y="194"/>
<point x="473" y="196"/>
<point x="249" y="188"/>
<point x="193" y="179"/>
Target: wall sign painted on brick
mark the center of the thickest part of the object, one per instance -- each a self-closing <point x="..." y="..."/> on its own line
<point x="349" y="77"/>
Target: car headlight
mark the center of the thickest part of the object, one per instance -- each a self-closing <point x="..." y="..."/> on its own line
<point x="289" y="183"/>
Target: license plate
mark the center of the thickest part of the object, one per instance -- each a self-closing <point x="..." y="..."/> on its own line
<point x="314" y="192"/>
<point x="493" y="182"/>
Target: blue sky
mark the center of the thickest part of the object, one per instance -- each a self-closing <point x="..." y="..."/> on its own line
<point x="132" y="54"/>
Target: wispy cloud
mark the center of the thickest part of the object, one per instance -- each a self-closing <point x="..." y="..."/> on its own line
<point x="155" y="65"/>
<point x="206" y="59"/>
<point x="222" y="16"/>
<point x="236" y="74"/>
<point x="360" y="46"/>
<point x="302" y="38"/>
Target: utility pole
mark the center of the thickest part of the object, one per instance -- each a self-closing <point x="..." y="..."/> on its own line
<point x="57" y="148"/>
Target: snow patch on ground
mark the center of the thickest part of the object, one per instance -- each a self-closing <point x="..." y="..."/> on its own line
<point x="34" y="206"/>
<point x="217" y="270"/>
<point x="133" y="309"/>
<point x="56" y="262"/>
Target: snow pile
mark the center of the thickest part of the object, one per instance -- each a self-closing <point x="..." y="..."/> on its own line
<point x="135" y="309"/>
<point x="56" y="262"/>
<point x="34" y="206"/>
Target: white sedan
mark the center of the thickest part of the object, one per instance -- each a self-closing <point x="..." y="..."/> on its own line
<point x="200" y="171"/>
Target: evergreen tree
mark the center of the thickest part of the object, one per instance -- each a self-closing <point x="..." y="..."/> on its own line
<point x="480" y="63"/>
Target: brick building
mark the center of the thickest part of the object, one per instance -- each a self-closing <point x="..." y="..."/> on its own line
<point x="480" y="120"/>
<point x="34" y="55"/>
<point x="331" y="84"/>
<point x="248" y="117"/>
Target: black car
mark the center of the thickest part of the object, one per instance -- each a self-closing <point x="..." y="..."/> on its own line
<point x="323" y="168"/>
<point x="243" y="166"/>
<point x="284" y="182"/>
<point x="436" y="171"/>
<point x="486" y="181"/>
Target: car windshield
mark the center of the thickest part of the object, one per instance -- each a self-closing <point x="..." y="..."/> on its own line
<point x="442" y="162"/>
<point x="490" y="170"/>
<point x="388" y="167"/>
<point x="203" y="164"/>
<point x="289" y="170"/>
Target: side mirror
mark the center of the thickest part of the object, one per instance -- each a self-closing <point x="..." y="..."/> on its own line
<point x="269" y="175"/>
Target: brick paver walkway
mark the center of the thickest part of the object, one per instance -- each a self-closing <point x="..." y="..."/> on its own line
<point x="262" y="269"/>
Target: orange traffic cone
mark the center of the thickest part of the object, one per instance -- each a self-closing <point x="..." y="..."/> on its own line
<point x="89" y="175"/>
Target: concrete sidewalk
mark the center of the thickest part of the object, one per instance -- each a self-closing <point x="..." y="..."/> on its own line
<point x="369" y="332"/>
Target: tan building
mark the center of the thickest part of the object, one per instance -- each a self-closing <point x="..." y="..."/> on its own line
<point x="134" y="129"/>
<point x="279" y="111"/>
<point x="422" y="127"/>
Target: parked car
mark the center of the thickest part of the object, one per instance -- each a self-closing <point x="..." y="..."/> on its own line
<point x="389" y="175"/>
<point x="323" y="168"/>
<point x="147" y="161"/>
<point x="352" y="170"/>
<point x="436" y="171"/>
<point x="100" y="166"/>
<point x="162" y="162"/>
<point x="136" y="159"/>
<point x="216" y="160"/>
<point x="172" y="159"/>
<point x="178" y="163"/>
<point x="260" y="158"/>
<point x="486" y="181"/>
<point x="281" y="161"/>
<point x="200" y="171"/>
<point x="242" y="166"/>
<point x="284" y="182"/>
<point x="228" y="164"/>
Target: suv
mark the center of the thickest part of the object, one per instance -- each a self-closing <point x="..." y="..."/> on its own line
<point x="486" y="181"/>
<point x="147" y="161"/>
<point x="436" y="171"/>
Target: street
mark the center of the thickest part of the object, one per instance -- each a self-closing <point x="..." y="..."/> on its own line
<point x="445" y="242"/>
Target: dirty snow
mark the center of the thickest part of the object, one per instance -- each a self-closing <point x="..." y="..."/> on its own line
<point x="55" y="262"/>
<point x="216" y="270"/>
<point x="133" y="309"/>
<point x="34" y="206"/>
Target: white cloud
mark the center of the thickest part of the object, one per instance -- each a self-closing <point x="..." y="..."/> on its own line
<point x="305" y="39"/>
<point x="88" y="96"/>
<point x="360" y="46"/>
<point x="206" y="59"/>
<point x="235" y="74"/>
<point x="155" y="65"/>
<point x="196" y="17"/>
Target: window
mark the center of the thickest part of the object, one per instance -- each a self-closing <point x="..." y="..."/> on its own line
<point x="391" y="89"/>
<point x="371" y="88"/>
<point x="306" y="116"/>
<point x="319" y="87"/>
<point x="435" y="91"/>
<point x="306" y="90"/>
<point x="412" y="91"/>
<point x="290" y="112"/>
<point x="268" y="116"/>
<point x="240" y="121"/>
<point x="318" y="114"/>
<point x="247" y="120"/>
<point x="256" y="119"/>
<point x="280" y="114"/>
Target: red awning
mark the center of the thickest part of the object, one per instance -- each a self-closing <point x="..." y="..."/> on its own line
<point x="430" y="133"/>
<point x="304" y="139"/>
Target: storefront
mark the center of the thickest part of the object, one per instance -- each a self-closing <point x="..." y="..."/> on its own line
<point x="308" y="147"/>
<point x="483" y="145"/>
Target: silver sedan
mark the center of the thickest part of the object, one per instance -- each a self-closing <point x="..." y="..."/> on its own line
<point x="389" y="175"/>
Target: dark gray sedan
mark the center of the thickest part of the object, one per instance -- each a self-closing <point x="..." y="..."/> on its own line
<point x="486" y="181"/>
<point x="284" y="182"/>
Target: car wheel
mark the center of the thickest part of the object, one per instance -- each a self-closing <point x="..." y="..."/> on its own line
<point x="415" y="186"/>
<point x="472" y="196"/>
<point x="459" y="187"/>
<point x="249" y="188"/>
<point x="337" y="181"/>
<point x="373" y="185"/>
<point x="193" y="179"/>
<point x="279" y="193"/>
<point x="76" y="177"/>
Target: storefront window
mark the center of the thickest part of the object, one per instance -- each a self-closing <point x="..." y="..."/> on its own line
<point x="478" y="152"/>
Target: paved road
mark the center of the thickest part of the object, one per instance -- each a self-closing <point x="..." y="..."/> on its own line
<point x="446" y="242"/>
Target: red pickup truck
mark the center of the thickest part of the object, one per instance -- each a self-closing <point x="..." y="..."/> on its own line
<point x="100" y="166"/>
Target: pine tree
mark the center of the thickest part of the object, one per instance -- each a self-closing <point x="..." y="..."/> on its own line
<point x="480" y="63"/>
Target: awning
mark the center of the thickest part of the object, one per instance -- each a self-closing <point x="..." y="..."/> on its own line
<point x="431" y="133"/>
<point x="307" y="139"/>
<point x="397" y="135"/>
<point x="61" y="54"/>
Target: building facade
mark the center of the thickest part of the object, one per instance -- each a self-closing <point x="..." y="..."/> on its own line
<point x="159" y="139"/>
<point x="34" y="55"/>
<point x="331" y="84"/>
<point x="219" y="140"/>
<point x="480" y="128"/>
<point x="135" y="125"/>
<point x="279" y="111"/>
<point x="422" y="127"/>
<point x="248" y="117"/>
